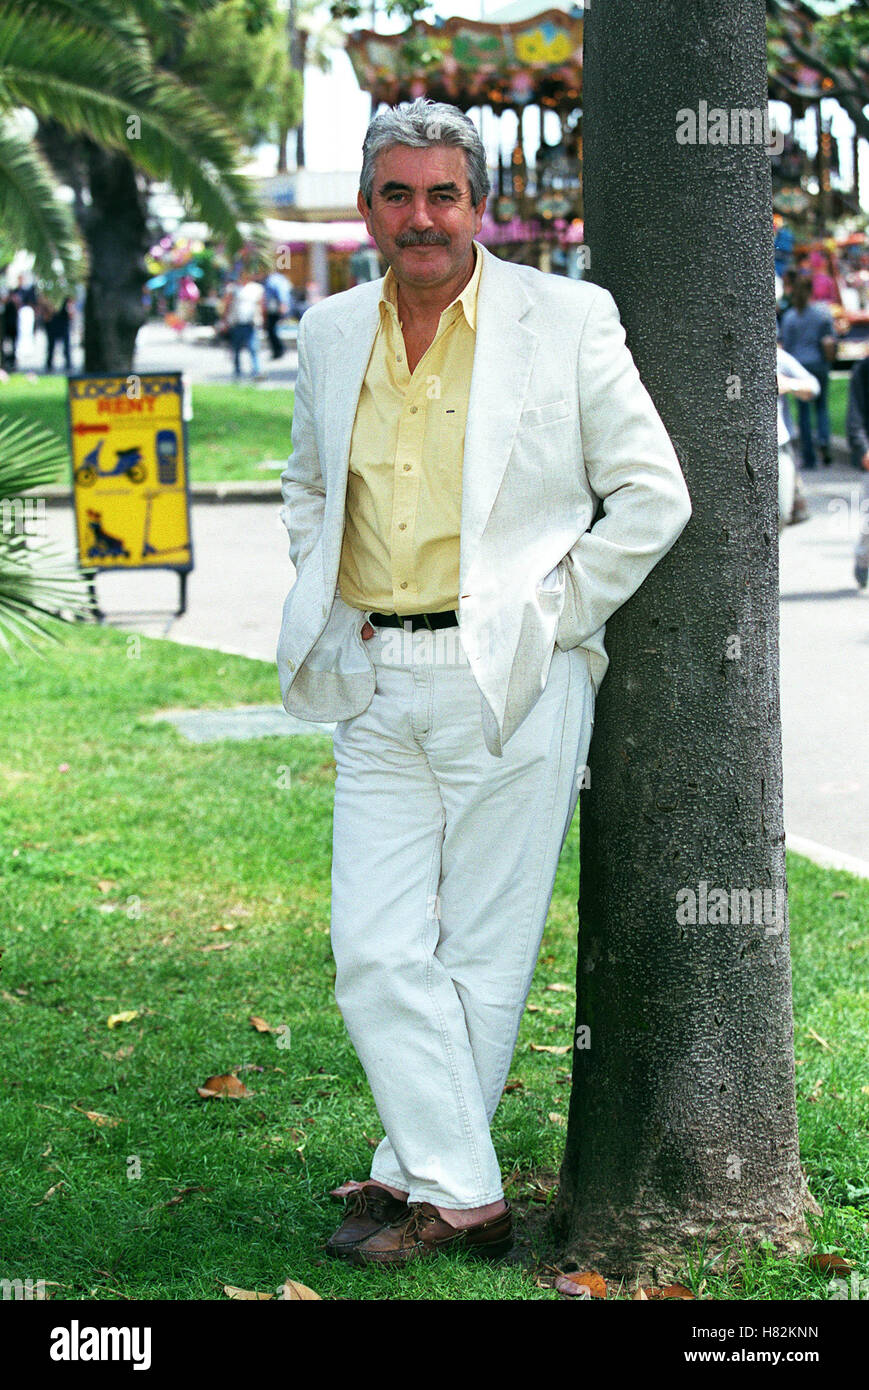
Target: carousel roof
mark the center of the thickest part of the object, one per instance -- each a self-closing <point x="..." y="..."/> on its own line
<point x="522" y="55"/>
<point x="503" y="64"/>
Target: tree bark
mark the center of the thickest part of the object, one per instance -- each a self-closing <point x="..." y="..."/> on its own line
<point x="682" y="1114"/>
<point x="116" y="229"/>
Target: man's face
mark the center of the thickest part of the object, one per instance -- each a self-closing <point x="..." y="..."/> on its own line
<point x="421" y="215"/>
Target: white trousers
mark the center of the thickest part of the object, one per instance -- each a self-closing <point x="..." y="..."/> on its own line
<point x="444" y="860"/>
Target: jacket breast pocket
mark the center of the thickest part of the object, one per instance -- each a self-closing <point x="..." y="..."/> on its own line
<point x="548" y="414"/>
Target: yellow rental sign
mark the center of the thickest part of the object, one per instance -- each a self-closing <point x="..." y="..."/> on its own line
<point x="128" y="441"/>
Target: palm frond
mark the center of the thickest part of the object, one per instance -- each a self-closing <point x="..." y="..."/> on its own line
<point x="37" y="584"/>
<point x="31" y="213"/>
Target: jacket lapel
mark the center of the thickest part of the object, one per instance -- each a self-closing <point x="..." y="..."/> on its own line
<point x="503" y="357"/>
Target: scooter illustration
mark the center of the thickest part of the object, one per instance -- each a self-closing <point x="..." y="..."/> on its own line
<point x="147" y="547"/>
<point x="104" y="546"/>
<point x="129" y="462"/>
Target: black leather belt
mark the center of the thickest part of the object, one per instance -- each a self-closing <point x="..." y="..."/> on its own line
<point x="416" y="620"/>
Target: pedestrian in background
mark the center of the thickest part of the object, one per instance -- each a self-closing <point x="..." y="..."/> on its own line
<point x="858" y="440"/>
<point x="244" y="316"/>
<point x="9" y="331"/>
<point x="793" y="379"/>
<point x="278" y="300"/>
<point x="807" y="333"/>
<point x="57" y="323"/>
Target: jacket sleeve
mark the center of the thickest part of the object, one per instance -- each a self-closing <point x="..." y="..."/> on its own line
<point x="302" y="485"/>
<point x="632" y="466"/>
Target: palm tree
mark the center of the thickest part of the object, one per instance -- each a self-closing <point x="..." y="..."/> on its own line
<point x="35" y="583"/>
<point x="86" y="68"/>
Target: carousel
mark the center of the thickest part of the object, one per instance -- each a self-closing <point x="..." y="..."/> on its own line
<point x="528" y="67"/>
<point x="530" y="64"/>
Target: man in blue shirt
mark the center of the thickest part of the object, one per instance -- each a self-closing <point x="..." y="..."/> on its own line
<point x="807" y="333"/>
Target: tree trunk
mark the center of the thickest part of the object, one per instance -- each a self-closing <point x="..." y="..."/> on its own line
<point x="682" y="1114"/>
<point x="116" y="230"/>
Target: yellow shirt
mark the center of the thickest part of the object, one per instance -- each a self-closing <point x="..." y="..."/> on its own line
<point x="400" y="552"/>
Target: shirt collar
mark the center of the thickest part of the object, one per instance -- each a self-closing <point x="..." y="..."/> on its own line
<point x="467" y="299"/>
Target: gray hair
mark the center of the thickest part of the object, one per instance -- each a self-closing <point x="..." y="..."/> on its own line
<point x="422" y="124"/>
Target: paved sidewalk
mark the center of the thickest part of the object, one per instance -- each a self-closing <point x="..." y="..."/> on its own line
<point x="243" y="573"/>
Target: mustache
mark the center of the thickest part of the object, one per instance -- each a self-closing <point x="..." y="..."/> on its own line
<point x="432" y="238"/>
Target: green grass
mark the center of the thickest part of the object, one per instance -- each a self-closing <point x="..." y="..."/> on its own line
<point x="123" y="847"/>
<point x="233" y="429"/>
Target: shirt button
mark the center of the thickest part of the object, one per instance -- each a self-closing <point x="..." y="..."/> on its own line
<point x="403" y="584"/>
<point x="402" y="526"/>
<point x="398" y="357"/>
<point x="407" y="468"/>
<point x="414" y="409"/>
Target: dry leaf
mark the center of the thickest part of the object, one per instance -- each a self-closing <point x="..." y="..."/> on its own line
<point x="560" y="989"/>
<point x="224" y="926"/>
<point x="586" y="1285"/>
<point x="292" y="1290"/>
<point x="106" y="885"/>
<point x="97" y="1117"/>
<point x="217" y="946"/>
<point x="542" y="1047"/>
<point x="841" y="894"/>
<point x="675" y="1291"/>
<point x="232" y="1292"/>
<point x="224" y="1085"/>
<point x="114" y="1020"/>
<point x="532" y="1008"/>
<point x="641" y="1295"/>
<point x="260" y="1024"/>
<point x="818" y="1039"/>
<point x="517" y="1085"/>
<point x="185" y="1192"/>
<point x="556" y="1118"/>
<point x="51" y="1191"/>
<point x="830" y="1264"/>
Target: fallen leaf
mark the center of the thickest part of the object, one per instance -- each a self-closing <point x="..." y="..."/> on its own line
<point x="97" y="1117"/>
<point x="232" y="1292"/>
<point x="542" y="1047"/>
<point x="586" y="1285"/>
<point x="841" y="894"/>
<point x="675" y="1291"/>
<point x="520" y="1086"/>
<point x="556" y="1118"/>
<point x="185" y="1192"/>
<point x="292" y="1290"/>
<point x="217" y="946"/>
<point x="818" y="1039"/>
<point x="51" y="1191"/>
<point x="560" y="989"/>
<point x="106" y="885"/>
<point x="260" y="1024"/>
<point x="224" y="1085"/>
<point x="641" y="1295"/>
<point x="224" y="926"/>
<point x="115" y="1020"/>
<point x="830" y="1264"/>
<point x="532" y="1008"/>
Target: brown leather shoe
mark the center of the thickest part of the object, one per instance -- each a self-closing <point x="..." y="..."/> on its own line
<point x="368" y="1209"/>
<point x="424" y="1232"/>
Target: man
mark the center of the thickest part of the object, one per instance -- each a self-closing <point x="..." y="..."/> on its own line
<point x="243" y="311"/>
<point x="278" y="300"/>
<point x="793" y="379"/>
<point x="857" y="426"/>
<point x="807" y="333"/>
<point x="455" y="425"/>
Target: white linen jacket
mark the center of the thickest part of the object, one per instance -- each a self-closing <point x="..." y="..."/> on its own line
<point x="558" y="418"/>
